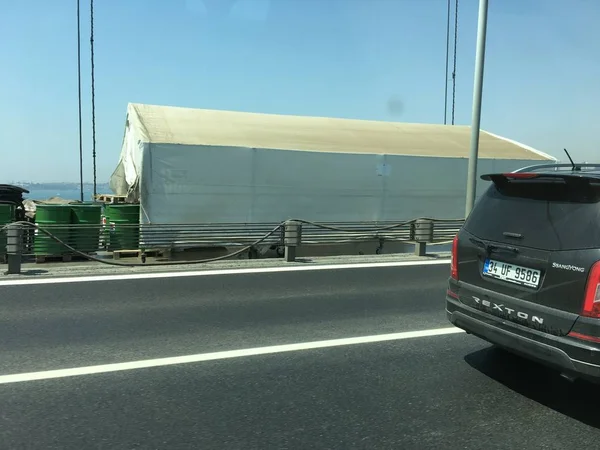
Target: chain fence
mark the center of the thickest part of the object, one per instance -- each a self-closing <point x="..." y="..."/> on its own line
<point x="88" y="240"/>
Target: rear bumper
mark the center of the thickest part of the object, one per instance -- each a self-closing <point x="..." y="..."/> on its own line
<point x="554" y="351"/>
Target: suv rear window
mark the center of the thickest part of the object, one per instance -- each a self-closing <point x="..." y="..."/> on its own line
<point x="550" y="213"/>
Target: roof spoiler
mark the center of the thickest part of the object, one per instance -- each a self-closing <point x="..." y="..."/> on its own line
<point x="570" y="176"/>
<point x="556" y="167"/>
<point x="547" y="170"/>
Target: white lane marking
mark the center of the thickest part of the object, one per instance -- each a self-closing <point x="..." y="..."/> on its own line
<point x="134" y="365"/>
<point x="200" y="273"/>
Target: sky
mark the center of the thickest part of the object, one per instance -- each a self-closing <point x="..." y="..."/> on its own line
<point x="363" y="59"/>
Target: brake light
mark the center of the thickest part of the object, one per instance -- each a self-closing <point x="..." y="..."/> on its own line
<point x="452" y="294"/>
<point x="591" y="303"/>
<point x="584" y="337"/>
<point x="520" y="175"/>
<point x="454" y="259"/>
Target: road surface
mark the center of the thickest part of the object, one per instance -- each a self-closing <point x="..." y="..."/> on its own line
<point x="421" y="391"/>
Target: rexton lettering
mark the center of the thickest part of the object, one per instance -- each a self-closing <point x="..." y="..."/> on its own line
<point x="510" y="312"/>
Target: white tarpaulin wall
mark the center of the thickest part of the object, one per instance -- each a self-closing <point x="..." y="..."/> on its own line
<point x="188" y="166"/>
<point x="188" y="184"/>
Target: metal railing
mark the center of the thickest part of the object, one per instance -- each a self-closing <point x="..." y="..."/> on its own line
<point x="215" y="234"/>
<point x="88" y="239"/>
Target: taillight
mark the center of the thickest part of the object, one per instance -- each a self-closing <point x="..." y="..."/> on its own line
<point x="591" y="304"/>
<point x="454" y="259"/>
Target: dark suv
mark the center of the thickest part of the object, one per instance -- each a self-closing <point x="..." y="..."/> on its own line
<point x="525" y="270"/>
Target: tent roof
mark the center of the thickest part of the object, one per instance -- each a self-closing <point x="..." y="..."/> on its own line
<point x="186" y="126"/>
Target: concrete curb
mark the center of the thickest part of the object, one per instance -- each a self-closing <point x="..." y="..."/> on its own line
<point x="92" y="268"/>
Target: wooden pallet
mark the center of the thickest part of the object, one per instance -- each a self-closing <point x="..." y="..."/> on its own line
<point x="67" y="257"/>
<point x="110" y="199"/>
<point x="40" y="259"/>
<point x="118" y="254"/>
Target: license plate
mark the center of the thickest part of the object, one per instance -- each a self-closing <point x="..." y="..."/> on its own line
<point x="512" y="273"/>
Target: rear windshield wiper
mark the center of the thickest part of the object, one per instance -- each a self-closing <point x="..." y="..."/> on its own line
<point x="490" y="248"/>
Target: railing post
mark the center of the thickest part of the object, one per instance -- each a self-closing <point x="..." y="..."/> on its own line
<point x="292" y="239"/>
<point x="423" y="229"/>
<point x="14" y="248"/>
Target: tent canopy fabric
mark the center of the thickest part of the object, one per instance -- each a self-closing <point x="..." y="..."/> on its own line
<point x="202" y="127"/>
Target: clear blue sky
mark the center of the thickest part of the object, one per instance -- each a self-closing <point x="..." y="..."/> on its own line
<point x="343" y="58"/>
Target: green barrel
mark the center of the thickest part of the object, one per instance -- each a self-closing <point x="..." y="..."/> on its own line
<point x="56" y="219"/>
<point x="7" y="215"/>
<point x="123" y="237"/>
<point x="85" y="235"/>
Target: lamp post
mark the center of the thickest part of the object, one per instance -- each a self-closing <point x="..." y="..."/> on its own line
<point x="476" y="116"/>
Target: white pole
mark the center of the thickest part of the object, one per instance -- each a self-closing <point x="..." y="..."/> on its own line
<point x="477" y="94"/>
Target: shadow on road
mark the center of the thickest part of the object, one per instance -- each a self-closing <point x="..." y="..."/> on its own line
<point x="33" y="272"/>
<point x="577" y="400"/>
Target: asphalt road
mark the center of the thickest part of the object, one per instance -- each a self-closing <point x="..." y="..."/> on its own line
<point x="451" y="391"/>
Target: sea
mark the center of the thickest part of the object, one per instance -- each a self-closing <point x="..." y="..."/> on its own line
<point x="66" y="194"/>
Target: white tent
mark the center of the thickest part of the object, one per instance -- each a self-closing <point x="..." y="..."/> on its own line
<point x="196" y="166"/>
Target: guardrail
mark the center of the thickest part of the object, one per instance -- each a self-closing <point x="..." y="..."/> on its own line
<point x="183" y="235"/>
<point x="84" y="240"/>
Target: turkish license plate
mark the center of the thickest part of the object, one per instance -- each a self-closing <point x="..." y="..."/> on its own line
<point x="512" y="273"/>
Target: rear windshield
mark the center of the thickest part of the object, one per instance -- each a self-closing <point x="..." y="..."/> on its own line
<point x="550" y="214"/>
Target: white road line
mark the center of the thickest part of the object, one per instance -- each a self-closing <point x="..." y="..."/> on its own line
<point x="200" y="273"/>
<point x="134" y="365"/>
